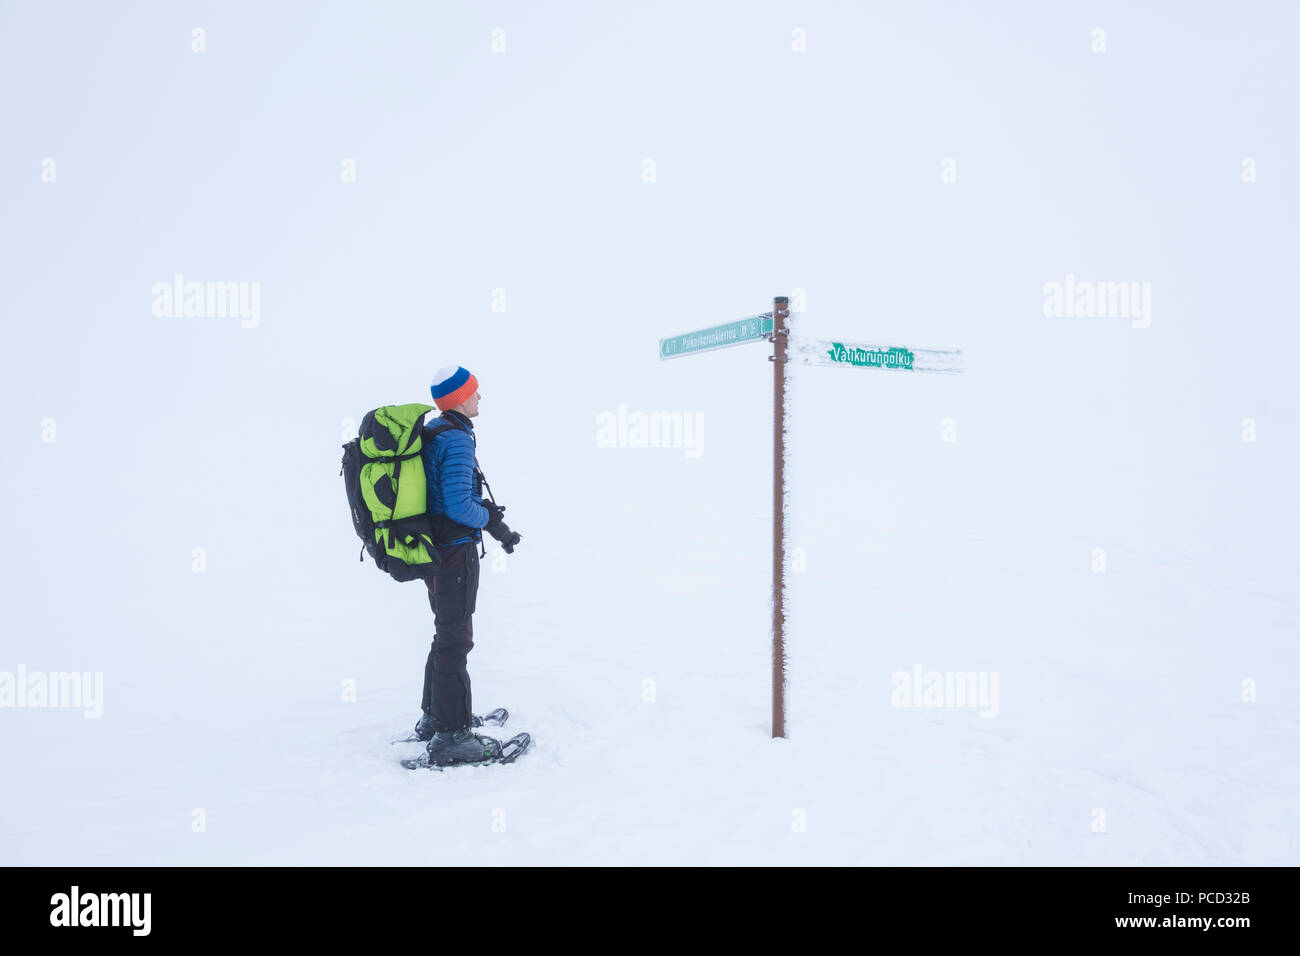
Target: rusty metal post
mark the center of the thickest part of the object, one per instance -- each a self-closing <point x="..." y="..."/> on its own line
<point x="780" y="312"/>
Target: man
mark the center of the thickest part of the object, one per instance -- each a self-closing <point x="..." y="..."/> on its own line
<point x="457" y="512"/>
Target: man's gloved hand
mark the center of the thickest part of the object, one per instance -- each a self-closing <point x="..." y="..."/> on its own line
<point x="494" y="521"/>
<point x="499" y="529"/>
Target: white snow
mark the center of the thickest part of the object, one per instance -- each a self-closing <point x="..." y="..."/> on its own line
<point x="501" y="220"/>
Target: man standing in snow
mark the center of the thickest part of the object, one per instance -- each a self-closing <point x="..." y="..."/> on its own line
<point x="457" y="512"/>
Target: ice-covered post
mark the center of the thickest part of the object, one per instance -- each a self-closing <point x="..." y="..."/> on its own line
<point x="780" y="312"/>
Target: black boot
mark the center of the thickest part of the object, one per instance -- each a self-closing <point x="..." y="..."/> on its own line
<point x="424" y="727"/>
<point x="462" y="746"/>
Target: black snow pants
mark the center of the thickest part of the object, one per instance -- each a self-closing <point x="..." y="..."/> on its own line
<point x="453" y="591"/>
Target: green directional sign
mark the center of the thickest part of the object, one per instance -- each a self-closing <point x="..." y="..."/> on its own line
<point x="868" y="356"/>
<point x="752" y="329"/>
<point x="852" y="355"/>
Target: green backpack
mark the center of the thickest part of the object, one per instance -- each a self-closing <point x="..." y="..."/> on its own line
<point x="384" y="475"/>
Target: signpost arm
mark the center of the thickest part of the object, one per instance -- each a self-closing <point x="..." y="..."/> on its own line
<point x="780" y="312"/>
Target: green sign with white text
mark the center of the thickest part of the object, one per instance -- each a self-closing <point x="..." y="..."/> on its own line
<point x="867" y="356"/>
<point x="853" y="355"/>
<point x="753" y="329"/>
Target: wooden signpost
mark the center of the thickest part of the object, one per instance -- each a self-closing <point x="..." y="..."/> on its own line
<point x="772" y="327"/>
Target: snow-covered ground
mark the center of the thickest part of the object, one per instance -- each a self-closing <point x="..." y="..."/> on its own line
<point x="1097" y="519"/>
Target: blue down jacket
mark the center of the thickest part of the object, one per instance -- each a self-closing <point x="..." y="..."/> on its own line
<point x="450" y="473"/>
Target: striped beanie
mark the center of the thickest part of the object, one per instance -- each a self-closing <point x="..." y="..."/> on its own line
<point x="451" y="386"/>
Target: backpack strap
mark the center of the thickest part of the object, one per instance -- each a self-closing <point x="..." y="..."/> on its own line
<point x="432" y="431"/>
<point x="367" y="459"/>
<point x="407" y="530"/>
